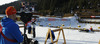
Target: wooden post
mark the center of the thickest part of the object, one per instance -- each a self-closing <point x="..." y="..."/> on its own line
<point x="47" y="35"/>
<point x="51" y="37"/>
<point x="99" y="42"/>
<point x="63" y="37"/>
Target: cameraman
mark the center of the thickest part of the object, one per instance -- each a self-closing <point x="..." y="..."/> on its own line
<point x="29" y="27"/>
<point x="10" y="30"/>
<point x="33" y="22"/>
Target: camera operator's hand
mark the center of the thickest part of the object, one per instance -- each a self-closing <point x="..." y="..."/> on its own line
<point x="34" y="23"/>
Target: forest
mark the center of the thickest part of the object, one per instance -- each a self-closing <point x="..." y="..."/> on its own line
<point x="56" y="6"/>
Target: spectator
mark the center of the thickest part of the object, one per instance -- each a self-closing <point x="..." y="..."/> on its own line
<point x="32" y="8"/>
<point x="10" y="28"/>
<point x="91" y="29"/>
<point x="23" y="6"/>
<point x="29" y="27"/>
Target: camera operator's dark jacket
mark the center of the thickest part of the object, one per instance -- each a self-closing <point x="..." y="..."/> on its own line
<point x="10" y="30"/>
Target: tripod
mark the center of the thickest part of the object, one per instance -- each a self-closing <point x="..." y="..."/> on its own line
<point x="26" y="39"/>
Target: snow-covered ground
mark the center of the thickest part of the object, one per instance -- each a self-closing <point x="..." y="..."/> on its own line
<point x="92" y="20"/>
<point x="72" y="36"/>
<point x="70" y="22"/>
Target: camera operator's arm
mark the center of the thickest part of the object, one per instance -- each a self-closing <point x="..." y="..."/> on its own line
<point x="33" y="21"/>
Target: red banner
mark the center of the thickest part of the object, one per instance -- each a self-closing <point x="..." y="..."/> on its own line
<point x="63" y="19"/>
<point x="51" y="19"/>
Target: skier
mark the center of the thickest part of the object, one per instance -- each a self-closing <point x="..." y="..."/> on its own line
<point x="28" y="24"/>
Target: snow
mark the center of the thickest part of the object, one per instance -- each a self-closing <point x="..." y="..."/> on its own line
<point x="92" y="20"/>
<point x="70" y="22"/>
<point x="72" y="36"/>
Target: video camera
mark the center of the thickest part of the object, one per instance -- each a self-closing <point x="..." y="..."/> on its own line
<point x="25" y="17"/>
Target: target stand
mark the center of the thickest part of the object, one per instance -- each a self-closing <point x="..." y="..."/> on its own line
<point x="49" y="31"/>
